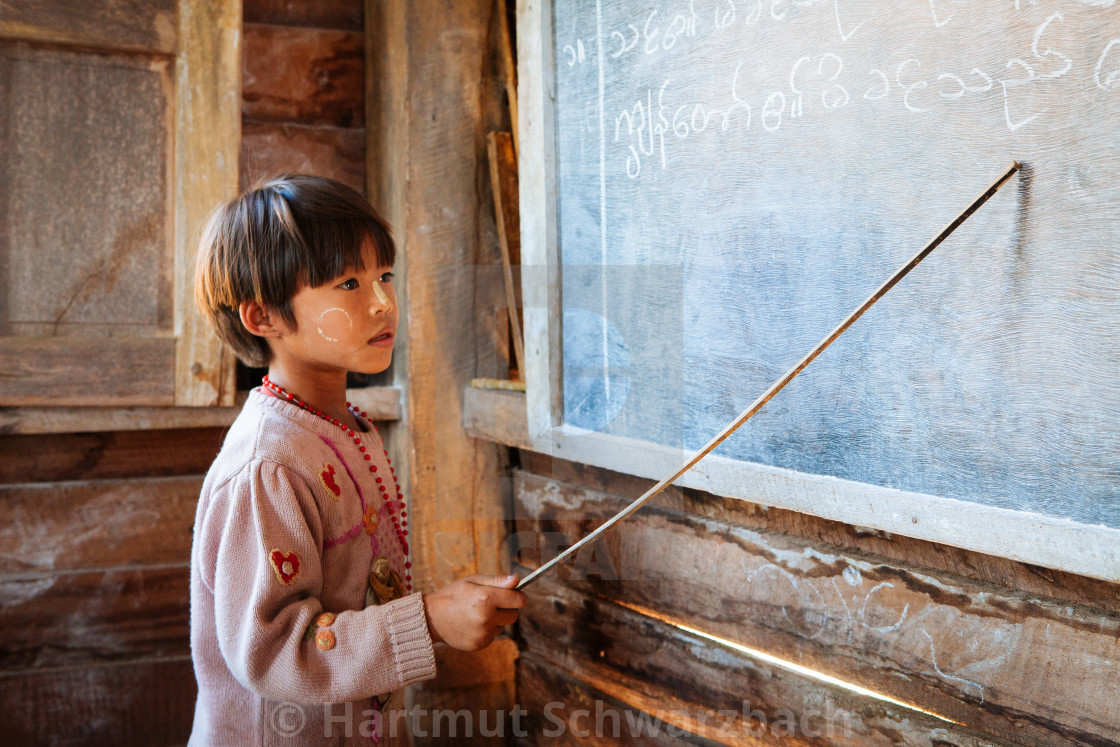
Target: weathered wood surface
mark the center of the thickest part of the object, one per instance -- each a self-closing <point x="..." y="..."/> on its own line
<point x="686" y="683"/>
<point x="101" y="456"/>
<point x="132" y="25"/>
<point x="485" y="409"/>
<point x="430" y="110"/>
<point x="303" y="75"/>
<point x="127" y="371"/>
<point x="427" y="65"/>
<point x="85" y="194"/>
<point x="56" y="527"/>
<point x="345" y="15"/>
<point x="508" y="60"/>
<point x="140" y="702"/>
<point x="1067" y="587"/>
<point x="76" y="619"/>
<point x="997" y="660"/>
<point x="269" y="148"/>
<point x="207" y="143"/>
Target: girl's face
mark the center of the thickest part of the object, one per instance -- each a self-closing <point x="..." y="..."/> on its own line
<point x="349" y="323"/>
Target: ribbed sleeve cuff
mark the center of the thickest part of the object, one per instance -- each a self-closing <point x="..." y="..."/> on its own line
<point x="412" y="645"/>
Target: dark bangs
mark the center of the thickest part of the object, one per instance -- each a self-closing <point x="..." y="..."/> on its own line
<point x="329" y="223"/>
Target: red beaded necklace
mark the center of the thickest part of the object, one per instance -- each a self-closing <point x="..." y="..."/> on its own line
<point x="399" y="522"/>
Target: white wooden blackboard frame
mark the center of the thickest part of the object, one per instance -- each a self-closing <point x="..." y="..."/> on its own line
<point x="1024" y="536"/>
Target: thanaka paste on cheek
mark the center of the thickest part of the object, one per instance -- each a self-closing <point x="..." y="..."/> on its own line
<point x="330" y="324"/>
<point x="382" y="296"/>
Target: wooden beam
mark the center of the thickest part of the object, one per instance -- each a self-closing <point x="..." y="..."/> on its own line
<point x="116" y="25"/>
<point x="343" y="15"/>
<point x="28" y="459"/>
<point x="81" y="619"/>
<point x="130" y="371"/>
<point x="561" y="707"/>
<point x="62" y="527"/>
<point x="382" y="403"/>
<point x="495" y="415"/>
<point x="586" y="652"/>
<point x="207" y="145"/>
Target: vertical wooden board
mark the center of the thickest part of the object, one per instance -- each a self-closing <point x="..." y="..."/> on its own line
<point x="142" y="702"/>
<point x="503" y="183"/>
<point x="134" y="25"/>
<point x="988" y="658"/>
<point x="509" y="69"/>
<point x="268" y="148"/>
<point x="79" y="619"/>
<point x="207" y="144"/>
<point x="465" y="668"/>
<point x="85" y="193"/>
<point x="468" y="701"/>
<point x="453" y="478"/>
<point x="56" y="527"/>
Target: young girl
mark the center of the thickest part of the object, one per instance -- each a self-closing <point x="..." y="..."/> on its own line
<point x="303" y="616"/>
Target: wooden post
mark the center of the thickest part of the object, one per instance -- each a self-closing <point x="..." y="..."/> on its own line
<point x="207" y="145"/>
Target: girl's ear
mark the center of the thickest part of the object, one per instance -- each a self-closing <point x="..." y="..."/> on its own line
<point x="258" y="320"/>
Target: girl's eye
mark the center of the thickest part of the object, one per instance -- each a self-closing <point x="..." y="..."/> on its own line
<point x="351" y="284"/>
<point x="386" y="277"/>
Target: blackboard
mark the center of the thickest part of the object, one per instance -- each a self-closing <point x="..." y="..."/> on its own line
<point x="732" y="178"/>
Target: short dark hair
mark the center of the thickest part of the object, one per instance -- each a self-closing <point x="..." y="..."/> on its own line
<point x="286" y="232"/>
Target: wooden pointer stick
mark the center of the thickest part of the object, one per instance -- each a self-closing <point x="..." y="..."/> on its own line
<point x="787" y="378"/>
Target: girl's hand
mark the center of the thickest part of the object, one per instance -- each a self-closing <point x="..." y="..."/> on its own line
<point x="468" y="614"/>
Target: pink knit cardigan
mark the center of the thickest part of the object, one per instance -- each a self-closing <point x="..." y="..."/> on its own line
<point x="289" y="522"/>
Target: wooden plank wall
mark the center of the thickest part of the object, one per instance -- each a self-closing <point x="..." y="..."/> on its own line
<point x="994" y="651"/>
<point x="95" y="528"/>
<point x="303" y="90"/>
<point x="95" y="535"/>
